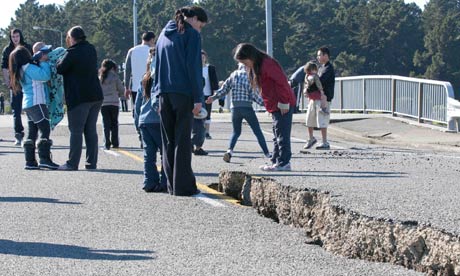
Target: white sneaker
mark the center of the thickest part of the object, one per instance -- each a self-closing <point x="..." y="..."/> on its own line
<point x="323" y="146"/>
<point x="310" y="143"/>
<point x="276" y="168"/>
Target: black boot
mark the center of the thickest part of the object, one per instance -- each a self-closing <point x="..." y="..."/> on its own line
<point x="29" y="151"/>
<point x="44" y="153"/>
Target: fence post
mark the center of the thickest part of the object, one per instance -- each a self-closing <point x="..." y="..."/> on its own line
<point x="393" y="96"/>
<point x="420" y="102"/>
<point x="341" y="95"/>
<point x="364" y="96"/>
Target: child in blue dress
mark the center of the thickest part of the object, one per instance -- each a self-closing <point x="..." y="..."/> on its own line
<point x="30" y="75"/>
<point x="147" y="118"/>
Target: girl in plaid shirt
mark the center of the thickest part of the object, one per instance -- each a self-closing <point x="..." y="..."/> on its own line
<point x="242" y="97"/>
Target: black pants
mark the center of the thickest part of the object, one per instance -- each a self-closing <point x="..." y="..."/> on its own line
<point x="16" y="106"/>
<point x="176" y="125"/>
<point x="124" y="105"/>
<point x="110" y="125"/>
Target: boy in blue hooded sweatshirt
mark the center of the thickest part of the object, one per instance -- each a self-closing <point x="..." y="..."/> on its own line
<point x="147" y="119"/>
<point x="179" y="83"/>
<point x="30" y="75"/>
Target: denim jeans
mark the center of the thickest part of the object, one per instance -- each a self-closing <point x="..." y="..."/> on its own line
<point x="198" y="132"/>
<point x="247" y="113"/>
<point x="151" y="139"/>
<point x="282" y="125"/>
<point x="16" y="107"/>
<point x="82" y="121"/>
<point x="110" y="125"/>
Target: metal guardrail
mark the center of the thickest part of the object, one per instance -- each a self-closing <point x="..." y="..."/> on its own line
<point x="421" y="99"/>
<point x="427" y="101"/>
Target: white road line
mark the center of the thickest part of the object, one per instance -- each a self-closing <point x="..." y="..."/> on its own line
<point x="111" y="152"/>
<point x="209" y="200"/>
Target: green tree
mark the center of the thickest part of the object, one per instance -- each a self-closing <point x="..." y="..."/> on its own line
<point x="440" y="58"/>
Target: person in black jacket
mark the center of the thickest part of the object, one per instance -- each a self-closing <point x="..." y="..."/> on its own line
<point x="16" y="39"/>
<point x="83" y="95"/>
<point x="326" y="75"/>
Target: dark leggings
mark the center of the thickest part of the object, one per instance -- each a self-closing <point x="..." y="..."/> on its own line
<point x="43" y="126"/>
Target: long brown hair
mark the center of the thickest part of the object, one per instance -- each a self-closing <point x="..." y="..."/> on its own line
<point x="147" y="80"/>
<point x="106" y="66"/>
<point x="189" y="11"/>
<point x="19" y="56"/>
<point x="248" y="51"/>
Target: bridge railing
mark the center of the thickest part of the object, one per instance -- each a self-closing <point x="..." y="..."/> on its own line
<point x="421" y="99"/>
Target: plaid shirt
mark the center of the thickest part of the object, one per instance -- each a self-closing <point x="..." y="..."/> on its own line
<point x="242" y="91"/>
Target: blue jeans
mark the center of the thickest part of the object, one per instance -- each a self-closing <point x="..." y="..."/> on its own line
<point x="282" y="125"/>
<point x="151" y="140"/>
<point x="247" y="113"/>
<point x="16" y="106"/>
<point x="198" y="132"/>
<point x="82" y="121"/>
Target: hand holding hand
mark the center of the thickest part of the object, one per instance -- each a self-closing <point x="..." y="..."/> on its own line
<point x="127" y="94"/>
<point x="209" y="100"/>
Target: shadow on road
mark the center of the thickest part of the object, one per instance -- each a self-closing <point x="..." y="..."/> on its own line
<point x="49" y="250"/>
<point x="36" y="199"/>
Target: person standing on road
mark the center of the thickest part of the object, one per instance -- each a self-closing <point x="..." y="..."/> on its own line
<point x="211" y="84"/>
<point x="179" y="82"/>
<point x="266" y="74"/>
<point x="296" y="81"/>
<point x="30" y="75"/>
<point x="2" y="103"/>
<point x="242" y="97"/>
<point x="136" y="60"/>
<point x="16" y="39"/>
<point x="327" y="77"/>
<point x="83" y="95"/>
<point x="147" y="118"/>
<point x="112" y="88"/>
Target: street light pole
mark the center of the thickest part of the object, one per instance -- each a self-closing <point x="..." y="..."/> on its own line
<point x="268" y="26"/>
<point x="49" y="29"/>
<point x="134" y="22"/>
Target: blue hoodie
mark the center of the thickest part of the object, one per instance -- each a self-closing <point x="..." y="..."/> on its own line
<point x="178" y="62"/>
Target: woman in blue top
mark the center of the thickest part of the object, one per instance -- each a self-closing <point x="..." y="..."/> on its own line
<point x="179" y="82"/>
<point x="31" y="76"/>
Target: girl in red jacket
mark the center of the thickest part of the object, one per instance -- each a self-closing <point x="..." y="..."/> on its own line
<point x="266" y="74"/>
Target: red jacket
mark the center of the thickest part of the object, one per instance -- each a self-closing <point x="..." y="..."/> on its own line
<point x="275" y="86"/>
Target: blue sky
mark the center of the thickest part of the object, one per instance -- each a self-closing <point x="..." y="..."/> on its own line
<point x="9" y="7"/>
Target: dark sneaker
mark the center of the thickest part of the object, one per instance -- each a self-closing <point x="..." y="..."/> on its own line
<point x="48" y="164"/>
<point x="200" y="151"/>
<point x="324" y="146"/>
<point x="155" y="189"/>
<point x="227" y="157"/>
<point x="66" y="167"/>
<point x="208" y="136"/>
<point x="310" y="143"/>
<point x="31" y="165"/>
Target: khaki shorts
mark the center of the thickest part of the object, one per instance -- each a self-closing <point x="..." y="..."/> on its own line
<point x="316" y="118"/>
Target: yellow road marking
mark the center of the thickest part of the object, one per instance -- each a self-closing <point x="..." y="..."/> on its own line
<point x="204" y="188"/>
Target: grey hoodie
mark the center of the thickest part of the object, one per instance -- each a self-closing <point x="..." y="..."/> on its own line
<point x="112" y="88"/>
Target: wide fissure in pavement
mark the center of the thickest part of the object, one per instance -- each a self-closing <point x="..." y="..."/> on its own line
<point x="344" y="232"/>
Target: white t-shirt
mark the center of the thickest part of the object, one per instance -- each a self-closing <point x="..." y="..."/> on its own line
<point x="207" y="83"/>
<point x="139" y="57"/>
